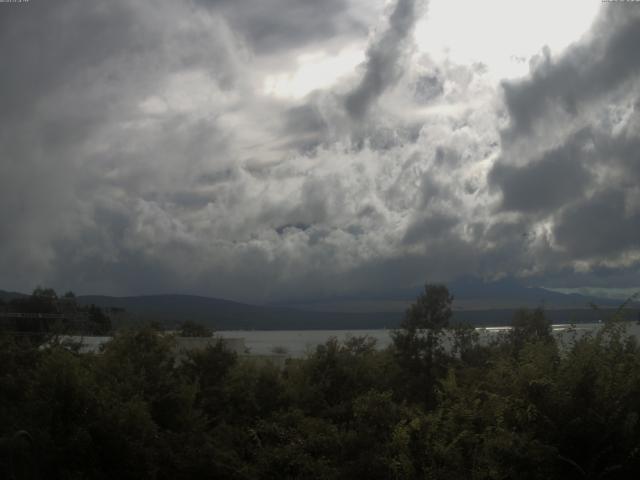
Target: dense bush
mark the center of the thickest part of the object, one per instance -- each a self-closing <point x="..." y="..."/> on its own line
<point x="521" y="407"/>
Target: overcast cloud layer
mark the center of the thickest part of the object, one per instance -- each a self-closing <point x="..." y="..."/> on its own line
<point x="141" y="153"/>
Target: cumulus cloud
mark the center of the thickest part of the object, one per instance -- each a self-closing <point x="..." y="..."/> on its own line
<point x="587" y="72"/>
<point x="273" y="25"/>
<point x="78" y="132"/>
<point x="604" y="225"/>
<point x="140" y="153"/>
<point x="384" y="60"/>
<point x="548" y="183"/>
<point x="568" y="165"/>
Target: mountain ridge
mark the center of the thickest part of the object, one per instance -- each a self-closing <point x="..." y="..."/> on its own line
<point x="475" y="302"/>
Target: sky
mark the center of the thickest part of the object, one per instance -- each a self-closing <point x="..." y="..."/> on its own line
<point x="283" y="150"/>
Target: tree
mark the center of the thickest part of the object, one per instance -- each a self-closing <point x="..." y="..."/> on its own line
<point x="42" y="300"/>
<point x="208" y="369"/>
<point x="465" y="344"/>
<point x="418" y="341"/>
<point x="189" y="328"/>
<point x="528" y="327"/>
<point x="40" y="292"/>
<point x="99" y="322"/>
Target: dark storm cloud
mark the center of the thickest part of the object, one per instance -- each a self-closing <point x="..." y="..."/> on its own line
<point x="304" y="119"/>
<point x="124" y="165"/>
<point x="588" y="187"/>
<point x="434" y="226"/>
<point x="384" y="60"/>
<point x="597" y="276"/>
<point x="46" y="70"/>
<point x="305" y="126"/>
<point x="608" y="59"/>
<point x="623" y="151"/>
<point x="428" y="87"/>
<point x="43" y="52"/>
<point x="141" y="153"/>
<point x="270" y="26"/>
<point x="508" y="253"/>
<point x="600" y="226"/>
<point x="584" y="104"/>
<point x="74" y="76"/>
<point x="544" y="184"/>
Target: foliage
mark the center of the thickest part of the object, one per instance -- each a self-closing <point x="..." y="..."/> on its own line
<point x="418" y="343"/>
<point x="189" y="328"/>
<point x="520" y="407"/>
<point x="93" y="320"/>
<point x="529" y="327"/>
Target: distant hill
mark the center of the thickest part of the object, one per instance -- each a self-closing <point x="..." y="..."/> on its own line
<point x="475" y="302"/>
<point x="7" y="296"/>
<point x="481" y="306"/>
<point x="474" y="294"/>
<point x="228" y="315"/>
<point x="470" y="294"/>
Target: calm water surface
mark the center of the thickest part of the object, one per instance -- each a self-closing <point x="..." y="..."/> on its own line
<point x="298" y="343"/>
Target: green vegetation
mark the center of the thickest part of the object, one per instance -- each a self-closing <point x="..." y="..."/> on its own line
<point x="45" y="313"/>
<point x="189" y="328"/>
<point x="520" y="407"/>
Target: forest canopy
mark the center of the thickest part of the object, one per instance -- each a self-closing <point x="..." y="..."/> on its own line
<point x="523" y="406"/>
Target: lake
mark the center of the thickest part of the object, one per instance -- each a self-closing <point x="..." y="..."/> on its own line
<point x="299" y="343"/>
